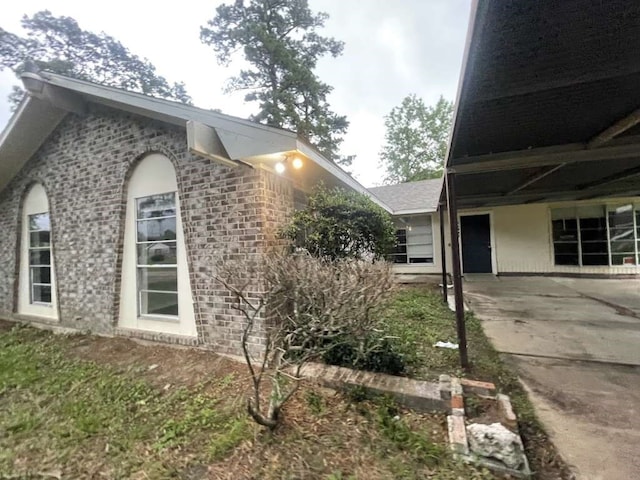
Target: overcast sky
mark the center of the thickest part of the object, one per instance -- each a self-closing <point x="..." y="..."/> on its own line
<point x="392" y="48"/>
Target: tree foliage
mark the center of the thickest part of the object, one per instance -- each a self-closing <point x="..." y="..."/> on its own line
<point x="416" y="140"/>
<point x="281" y="45"/>
<point x="59" y="45"/>
<point x="339" y="224"/>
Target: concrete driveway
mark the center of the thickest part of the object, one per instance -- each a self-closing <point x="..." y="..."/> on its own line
<point x="576" y="346"/>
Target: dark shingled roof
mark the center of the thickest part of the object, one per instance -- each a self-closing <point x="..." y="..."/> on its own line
<point x="423" y="195"/>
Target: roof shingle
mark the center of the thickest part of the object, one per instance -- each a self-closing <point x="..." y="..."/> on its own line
<point x="423" y="195"/>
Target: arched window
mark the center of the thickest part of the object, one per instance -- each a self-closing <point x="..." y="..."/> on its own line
<point x="155" y="290"/>
<point x="37" y="292"/>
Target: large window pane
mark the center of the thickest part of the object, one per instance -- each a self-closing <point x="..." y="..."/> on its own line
<point x="40" y="254"/>
<point x="40" y="257"/>
<point x="156" y="227"/>
<point x="158" y="253"/>
<point x="593" y="235"/>
<point x="41" y="294"/>
<point x="163" y="205"/>
<point x="154" y="303"/>
<point x="164" y="279"/>
<point x="622" y="235"/>
<point x="565" y="238"/>
<point x="155" y="230"/>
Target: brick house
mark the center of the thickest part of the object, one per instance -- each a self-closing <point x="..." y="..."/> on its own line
<point x="115" y="207"/>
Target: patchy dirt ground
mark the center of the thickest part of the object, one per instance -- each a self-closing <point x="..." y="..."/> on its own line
<point x="87" y="407"/>
<point x="159" y="364"/>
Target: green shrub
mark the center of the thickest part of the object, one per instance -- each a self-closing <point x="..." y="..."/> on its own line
<point x="340" y="224"/>
<point x="379" y="355"/>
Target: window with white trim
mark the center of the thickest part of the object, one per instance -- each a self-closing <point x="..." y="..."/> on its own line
<point x="156" y="253"/>
<point x="40" y="285"/>
<point x="596" y="235"/>
<point x="414" y="240"/>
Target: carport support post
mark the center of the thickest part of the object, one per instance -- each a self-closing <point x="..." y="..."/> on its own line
<point x="457" y="274"/>
<point x="443" y="253"/>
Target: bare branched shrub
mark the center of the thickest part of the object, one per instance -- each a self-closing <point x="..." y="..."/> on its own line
<point x="307" y="306"/>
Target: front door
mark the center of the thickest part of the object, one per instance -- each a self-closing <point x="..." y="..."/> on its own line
<point x="475" y="231"/>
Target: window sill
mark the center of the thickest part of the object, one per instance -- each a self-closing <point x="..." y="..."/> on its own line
<point x="31" y="317"/>
<point x="413" y="264"/>
<point x="160" y="318"/>
<point x="596" y="266"/>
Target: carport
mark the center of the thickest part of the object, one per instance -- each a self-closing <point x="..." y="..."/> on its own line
<point x="548" y="110"/>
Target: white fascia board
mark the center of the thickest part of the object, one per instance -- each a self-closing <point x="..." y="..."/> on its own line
<point x="415" y="211"/>
<point x="29" y="126"/>
<point x="164" y="108"/>
<point x="337" y="172"/>
<point x="24" y="104"/>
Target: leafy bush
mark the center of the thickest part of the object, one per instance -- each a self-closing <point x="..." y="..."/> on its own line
<point x="374" y="354"/>
<point x="339" y="224"/>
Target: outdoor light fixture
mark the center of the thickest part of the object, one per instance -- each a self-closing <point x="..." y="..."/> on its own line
<point x="297" y="163"/>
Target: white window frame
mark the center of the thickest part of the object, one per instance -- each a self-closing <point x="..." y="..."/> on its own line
<point x="608" y="208"/>
<point x="154" y="175"/>
<point x="139" y="267"/>
<point x="635" y="211"/>
<point x="35" y="202"/>
<point x="417" y="219"/>
<point x="31" y="248"/>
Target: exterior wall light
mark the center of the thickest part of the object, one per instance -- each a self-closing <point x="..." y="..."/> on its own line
<point x="280" y="168"/>
<point x="297" y="163"/>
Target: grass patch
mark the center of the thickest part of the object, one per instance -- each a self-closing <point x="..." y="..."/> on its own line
<point x="64" y="416"/>
<point x="417" y="318"/>
<point x="81" y="415"/>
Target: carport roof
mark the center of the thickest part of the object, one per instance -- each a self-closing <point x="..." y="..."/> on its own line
<point x="548" y="105"/>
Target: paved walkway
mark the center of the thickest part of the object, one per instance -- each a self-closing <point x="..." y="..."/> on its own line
<point x="576" y="344"/>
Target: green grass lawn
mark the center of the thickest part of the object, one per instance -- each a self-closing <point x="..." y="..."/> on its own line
<point x="87" y="407"/>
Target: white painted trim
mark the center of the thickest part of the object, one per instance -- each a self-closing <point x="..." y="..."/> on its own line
<point x="434" y="255"/>
<point x="154" y="175"/>
<point x="169" y="108"/>
<point x="608" y="204"/>
<point x="415" y="211"/>
<point x="492" y="238"/>
<point x="8" y="129"/>
<point x="35" y="202"/>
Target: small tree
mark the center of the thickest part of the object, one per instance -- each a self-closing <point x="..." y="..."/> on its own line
<point x="311" y="305"/>
<point x="339" y="224"/>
